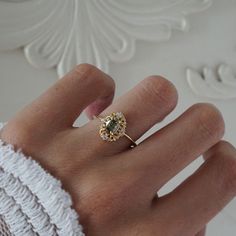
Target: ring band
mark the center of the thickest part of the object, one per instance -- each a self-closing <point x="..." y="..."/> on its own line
<point x="113" y="127"/>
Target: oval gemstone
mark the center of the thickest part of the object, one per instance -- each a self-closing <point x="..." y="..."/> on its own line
<point x="112" y="125"/>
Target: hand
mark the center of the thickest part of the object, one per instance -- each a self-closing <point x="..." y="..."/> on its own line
<point x="114" y="187"/>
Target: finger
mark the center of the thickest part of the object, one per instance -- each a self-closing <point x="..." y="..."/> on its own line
<point x="61" y="104"/>
<point x="99" y="105"/>
<point x="204" y="194"/>
<point x="171" y="149"/>
<point x="202" y="232"/>
<point x="146" y="104"/>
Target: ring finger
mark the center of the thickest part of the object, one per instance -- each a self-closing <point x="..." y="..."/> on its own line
<point x="146" y="104"/>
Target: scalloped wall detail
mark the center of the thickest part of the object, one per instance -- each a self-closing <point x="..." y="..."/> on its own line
<point x="219" y="84"/>
<point x="64" y="33"/>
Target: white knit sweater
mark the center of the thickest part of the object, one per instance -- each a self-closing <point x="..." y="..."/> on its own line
<point x="32" y="202"/>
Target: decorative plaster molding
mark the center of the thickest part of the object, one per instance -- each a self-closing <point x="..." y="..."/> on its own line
<point x="220" y="84"/>
<point x="63" y="33"/>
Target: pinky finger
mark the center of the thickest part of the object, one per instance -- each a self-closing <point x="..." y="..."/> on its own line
<point x="203" y="195"/>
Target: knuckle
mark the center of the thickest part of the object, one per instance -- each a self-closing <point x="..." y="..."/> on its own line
<point x="160" y="88"/>
<point x="221" y="146"/>
<point x="17" y="134"/>
<point x="84" y="72"/>
<point x="91" y="74"/>
<point x="84" y="68"/>
<point x="209" y="120"/>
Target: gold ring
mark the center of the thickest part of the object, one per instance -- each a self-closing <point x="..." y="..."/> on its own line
<point x="113" y="127"/>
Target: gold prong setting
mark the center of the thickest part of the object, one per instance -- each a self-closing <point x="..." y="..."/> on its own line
<point x="113" y="127"/>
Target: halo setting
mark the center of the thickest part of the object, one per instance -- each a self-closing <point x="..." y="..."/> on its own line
<point x="113" y="127"/>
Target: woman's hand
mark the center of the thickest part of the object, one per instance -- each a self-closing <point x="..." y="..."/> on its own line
<point x="114" y="187"/>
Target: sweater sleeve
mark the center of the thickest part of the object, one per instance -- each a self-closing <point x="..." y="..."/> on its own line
<point x="4" y="230"/>
<point x="32" y="202"/>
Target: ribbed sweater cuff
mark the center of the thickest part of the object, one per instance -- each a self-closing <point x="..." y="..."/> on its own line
<point x="32" y="201"/>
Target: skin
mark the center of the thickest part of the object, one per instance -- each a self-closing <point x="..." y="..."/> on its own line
<point x="114" y="188"/>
